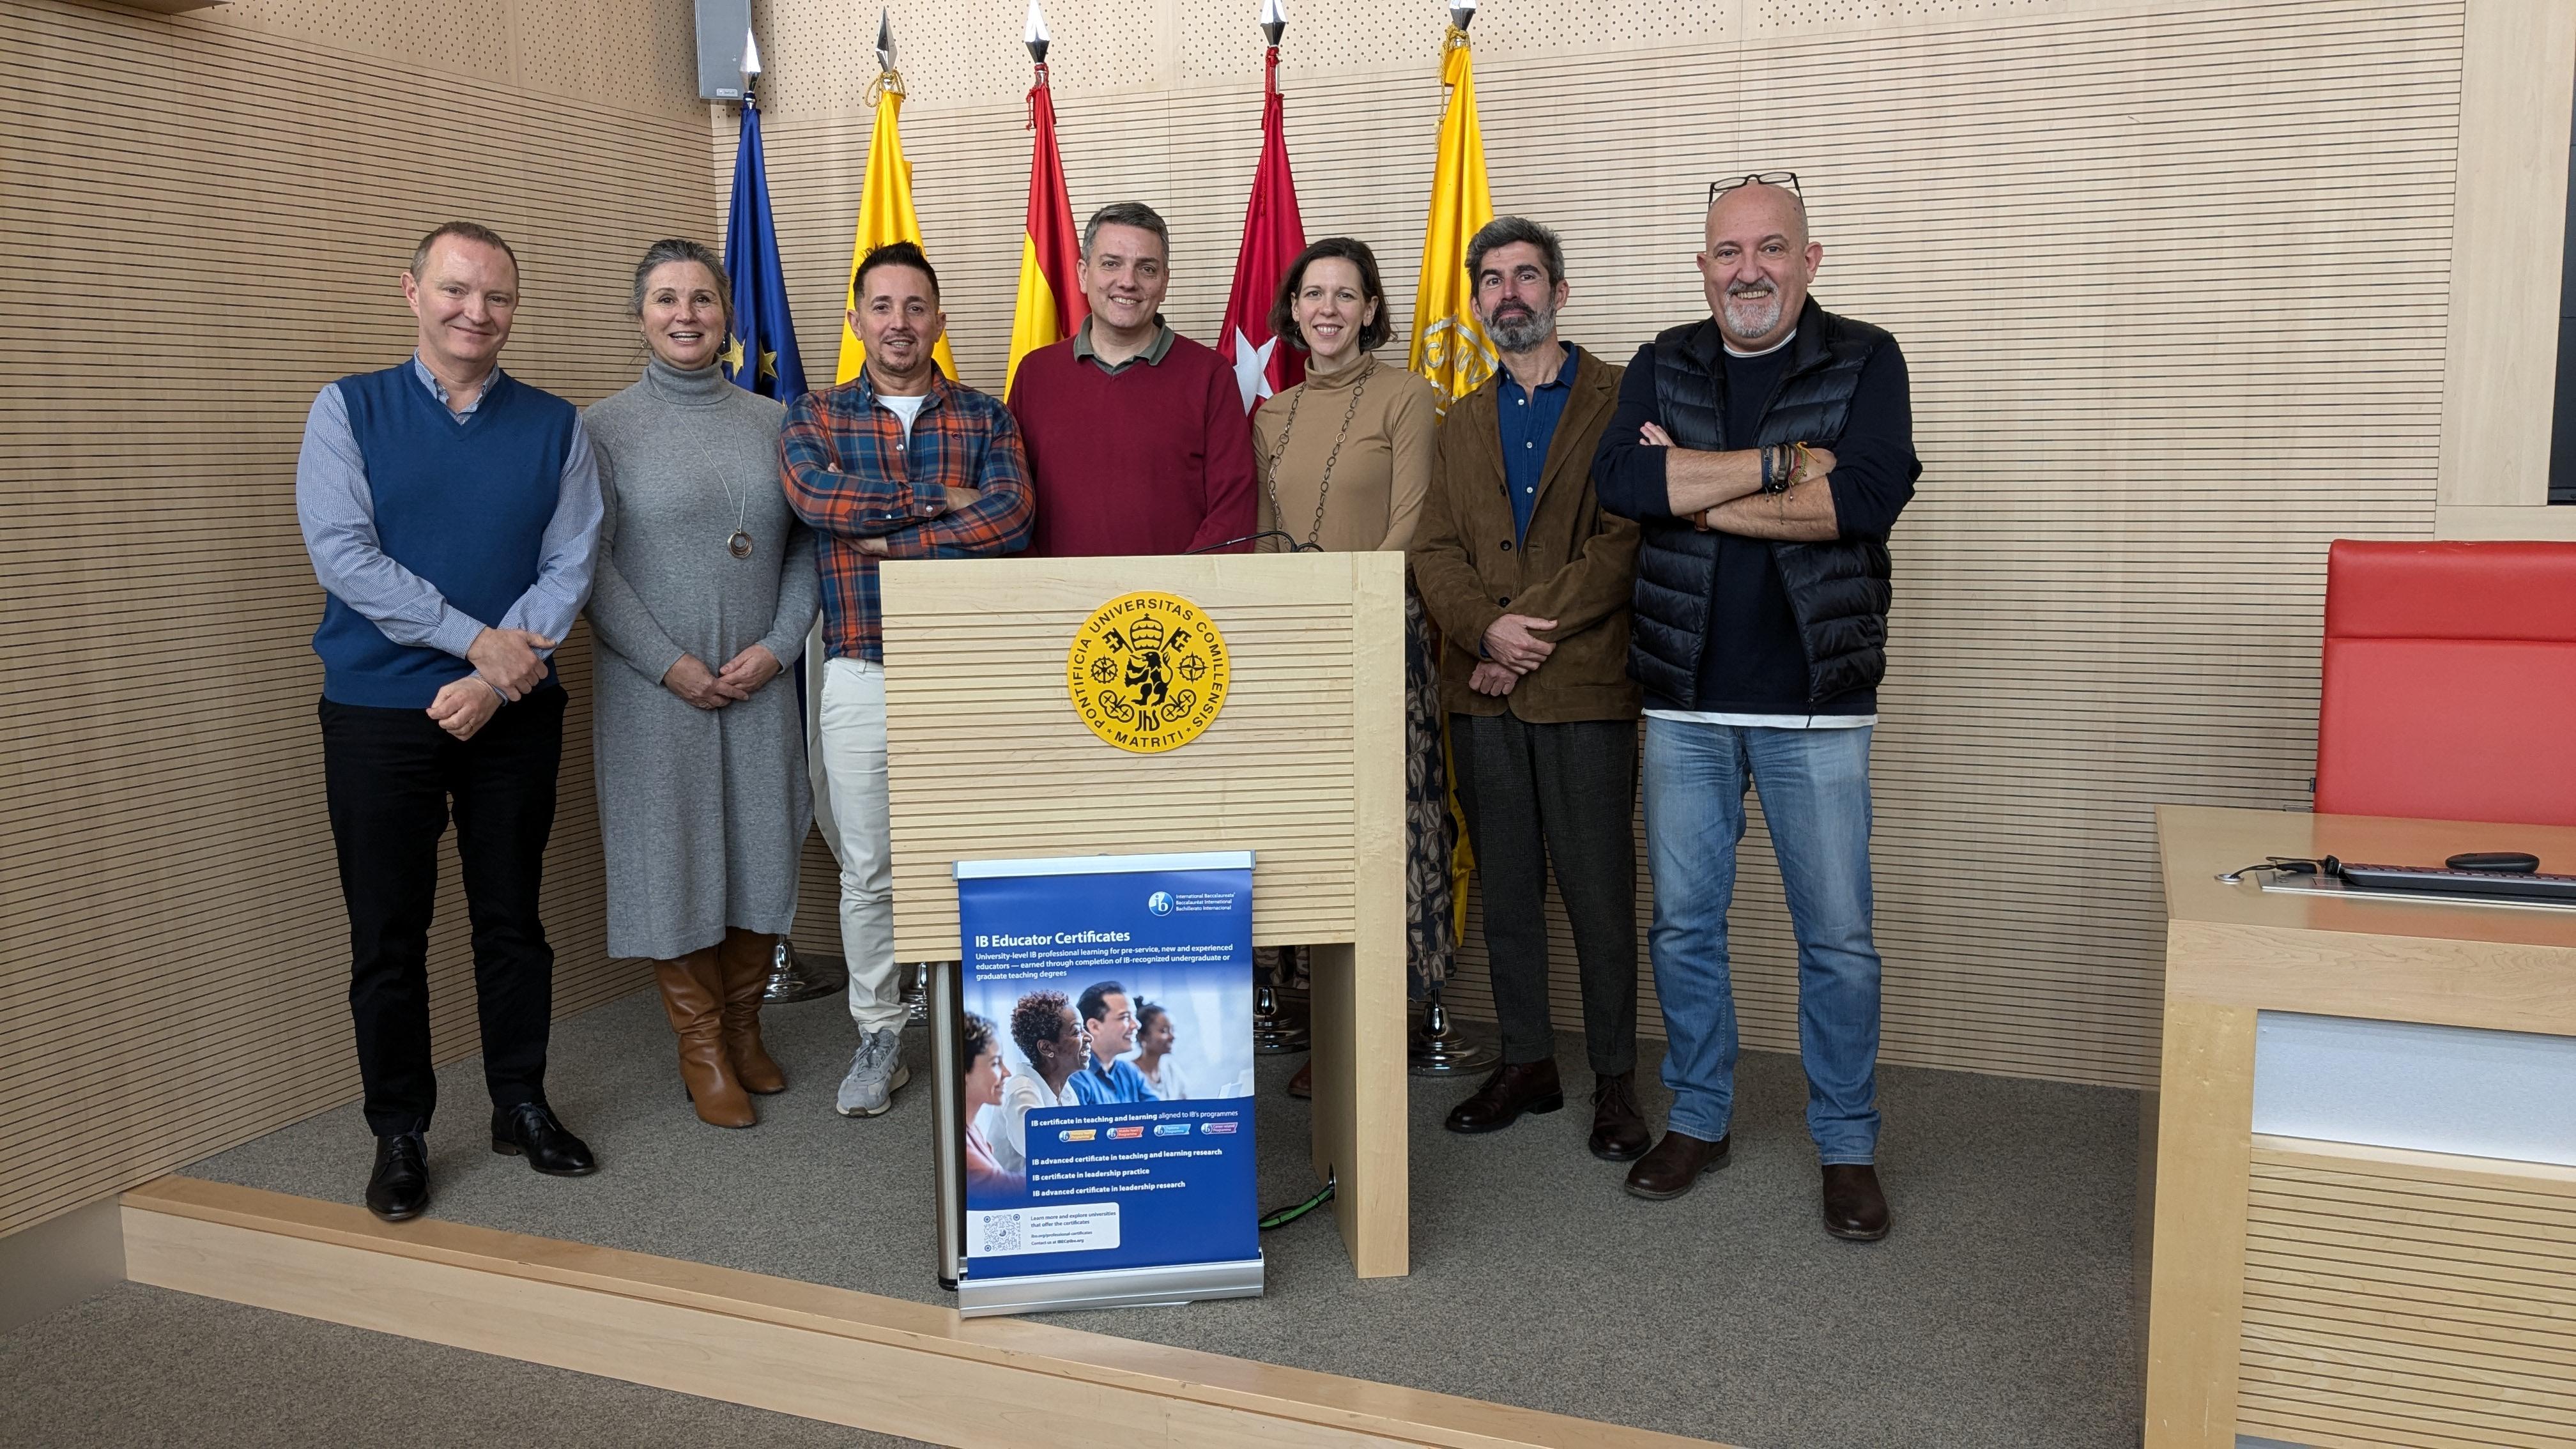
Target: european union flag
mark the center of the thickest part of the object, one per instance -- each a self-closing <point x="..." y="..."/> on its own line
<point x="760" y="356"/>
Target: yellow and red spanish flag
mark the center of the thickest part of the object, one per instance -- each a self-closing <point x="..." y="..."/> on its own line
<point x="1051" y="304"/>
<point x="885" y="204"/>
<point x="1449" y="344"/>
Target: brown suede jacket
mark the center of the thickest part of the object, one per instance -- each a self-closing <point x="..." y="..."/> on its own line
<point x="1577" y="566"/>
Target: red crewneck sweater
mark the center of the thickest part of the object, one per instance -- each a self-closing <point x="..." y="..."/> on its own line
<point x="1154" y="459"/>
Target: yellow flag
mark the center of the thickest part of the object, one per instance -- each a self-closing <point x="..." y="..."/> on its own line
<point x="885" y="215"/>
<point x="1449" y="344"/>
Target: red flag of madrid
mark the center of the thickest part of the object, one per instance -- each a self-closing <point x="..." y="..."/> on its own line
<point x="1272" y="237"/>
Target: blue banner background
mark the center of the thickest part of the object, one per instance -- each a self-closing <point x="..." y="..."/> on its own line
<point x="1181" y="1173"/>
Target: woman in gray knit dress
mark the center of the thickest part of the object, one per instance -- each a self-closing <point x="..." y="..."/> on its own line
<point x="706" y="587"/>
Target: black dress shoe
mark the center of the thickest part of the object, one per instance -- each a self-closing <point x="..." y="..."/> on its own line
<point x="1514" y="1088"/>
<point x="399" y="1187"/>
<point x="1676" y="1163"/>
<point x="1855" y="1208"/>
<point x="530" y="1130"/>
<point x="1618" y="1128"/>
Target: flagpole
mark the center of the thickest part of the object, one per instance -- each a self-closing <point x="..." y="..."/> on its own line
<point x="1449" y="348"/>
<point x="794" y="976"/>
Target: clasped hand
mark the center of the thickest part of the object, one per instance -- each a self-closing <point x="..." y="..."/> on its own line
<point x="740" y="679"/>
<point x="512" y="659"/>
<point x="1512" y="649"/>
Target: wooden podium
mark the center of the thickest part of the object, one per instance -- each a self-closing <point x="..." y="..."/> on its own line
<point x="1304" y="766"/>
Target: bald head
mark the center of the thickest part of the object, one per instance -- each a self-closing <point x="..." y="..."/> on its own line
<point x="1761" y="206"/>
<point x="1757" y="264"/>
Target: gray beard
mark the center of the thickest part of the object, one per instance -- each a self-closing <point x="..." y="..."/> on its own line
<point x="1522" y="334"/>
<point x="1753" y="316"/>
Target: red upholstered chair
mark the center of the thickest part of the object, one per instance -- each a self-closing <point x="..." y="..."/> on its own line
<point x="2450" y="682"/>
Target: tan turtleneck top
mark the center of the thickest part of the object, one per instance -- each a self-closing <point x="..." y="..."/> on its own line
<point x="1381" y="474"/>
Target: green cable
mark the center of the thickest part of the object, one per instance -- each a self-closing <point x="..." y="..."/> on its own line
<point x="1282" y="1217"/>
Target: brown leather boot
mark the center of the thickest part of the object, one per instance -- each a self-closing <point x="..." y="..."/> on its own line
<point x="1618" y="1128"/>
<point x="1675" y="1164"/>
<point x="691" y="998"/>
<point x="747" y="956"/>
<point x="1855" y="1205"/>
<point x="1514" y="1088"/>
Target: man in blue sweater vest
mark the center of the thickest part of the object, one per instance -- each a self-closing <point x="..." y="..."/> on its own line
<point x="436" y="495"/>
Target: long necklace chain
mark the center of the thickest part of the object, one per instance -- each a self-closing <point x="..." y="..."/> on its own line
<point x="1288" y="426"/>
<point x="739" y="544"/>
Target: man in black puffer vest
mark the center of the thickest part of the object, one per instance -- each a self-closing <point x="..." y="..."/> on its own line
<point x="1765" y="453"/>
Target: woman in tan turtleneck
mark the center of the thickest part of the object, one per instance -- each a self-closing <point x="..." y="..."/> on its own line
<point x="1345" y="460"/>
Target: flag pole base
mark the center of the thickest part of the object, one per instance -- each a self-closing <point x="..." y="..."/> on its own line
<point x="802" y="978"/>
<point x="1440" y="1048"/>
<point x="1275" y="1030"/>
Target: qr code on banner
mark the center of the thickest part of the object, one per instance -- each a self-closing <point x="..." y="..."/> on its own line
<point x="1001" y="1233"/>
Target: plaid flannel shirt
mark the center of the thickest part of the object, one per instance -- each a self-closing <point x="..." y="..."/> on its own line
<point x="850" y="474"/>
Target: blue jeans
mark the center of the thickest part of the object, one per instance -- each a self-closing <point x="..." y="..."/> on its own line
<point x="1815" y="798"/>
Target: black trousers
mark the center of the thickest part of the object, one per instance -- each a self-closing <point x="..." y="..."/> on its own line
<point x="1536" y="794"/>
<point x="391" y="775"/>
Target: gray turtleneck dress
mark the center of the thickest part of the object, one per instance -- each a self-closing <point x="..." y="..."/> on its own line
<point x="702" y="813"/>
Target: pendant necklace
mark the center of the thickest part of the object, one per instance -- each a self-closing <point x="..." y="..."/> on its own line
<point x="1288" y="425"/>
<point x="739" y="544"/>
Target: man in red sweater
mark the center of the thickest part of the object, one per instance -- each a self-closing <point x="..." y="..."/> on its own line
<point x="1137" y="439"/>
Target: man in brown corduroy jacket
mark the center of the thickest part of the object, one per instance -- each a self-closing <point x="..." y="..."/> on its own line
<point x="1530" y="581"/>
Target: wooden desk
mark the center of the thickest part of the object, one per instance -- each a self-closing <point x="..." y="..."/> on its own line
<point x="2321" y="1292"/>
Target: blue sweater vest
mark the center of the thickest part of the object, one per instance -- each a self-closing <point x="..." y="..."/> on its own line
<point x="462" y="503"/>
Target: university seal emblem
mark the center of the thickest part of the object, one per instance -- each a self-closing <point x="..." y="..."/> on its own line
<point x="1147" y="672"/>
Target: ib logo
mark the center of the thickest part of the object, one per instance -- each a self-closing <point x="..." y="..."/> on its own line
<point x="1160" y="903"/>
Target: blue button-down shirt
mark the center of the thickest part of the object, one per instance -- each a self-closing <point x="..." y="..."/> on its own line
<point x="1529" y="424"/>
<point x="1119" y="1081"/>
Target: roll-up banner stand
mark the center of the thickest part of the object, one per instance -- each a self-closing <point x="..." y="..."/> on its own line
<point x="1089" y="1183"/>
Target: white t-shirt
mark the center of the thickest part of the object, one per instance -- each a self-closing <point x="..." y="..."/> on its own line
<point x="1023" y="1091"/>
<point x="905" y="408"/>
<point x="1166" y="1081"/>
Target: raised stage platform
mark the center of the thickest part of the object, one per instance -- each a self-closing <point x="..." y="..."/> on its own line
<point x="789" y="1266"/>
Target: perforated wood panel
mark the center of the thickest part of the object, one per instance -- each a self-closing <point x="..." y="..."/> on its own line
<point x="633" y="54"/>
<point x="2138" y="258"/>
<point x="2409" y="1306"/>
<point x="206" y="220"/>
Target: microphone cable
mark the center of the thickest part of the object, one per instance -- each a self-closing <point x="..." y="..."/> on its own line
<point x="1293" y="545"/>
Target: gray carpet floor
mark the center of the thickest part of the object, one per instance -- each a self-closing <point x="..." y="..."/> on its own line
<point x="136" y="1367"/>
<point x="1996" y="1314"/>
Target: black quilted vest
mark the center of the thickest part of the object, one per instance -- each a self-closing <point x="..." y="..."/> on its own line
<point x="1838" y="591"/>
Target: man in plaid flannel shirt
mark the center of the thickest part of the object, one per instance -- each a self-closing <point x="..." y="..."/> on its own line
<point x="898" y="462"/>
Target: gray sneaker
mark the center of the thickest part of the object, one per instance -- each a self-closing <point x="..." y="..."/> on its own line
<point x="876" y="1069"/>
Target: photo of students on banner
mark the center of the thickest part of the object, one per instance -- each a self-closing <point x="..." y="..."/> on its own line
<point x="1108" y="1065"/>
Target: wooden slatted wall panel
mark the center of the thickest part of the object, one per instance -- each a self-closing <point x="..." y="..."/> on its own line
<point x="1051" y="788"/>
<point x="2139" y="257"/>
<point x="206" y="217"/>
<point x="2408" y="1305"/>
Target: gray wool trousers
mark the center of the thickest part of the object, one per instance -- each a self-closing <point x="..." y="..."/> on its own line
<point x="1536" y="794"/>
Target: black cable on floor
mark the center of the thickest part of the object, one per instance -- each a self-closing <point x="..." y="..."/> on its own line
<point x="1282" y="1217"/>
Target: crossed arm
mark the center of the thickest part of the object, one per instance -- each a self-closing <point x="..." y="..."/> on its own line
<point x="883" y="512"/>
<point x="1723" y="491"/>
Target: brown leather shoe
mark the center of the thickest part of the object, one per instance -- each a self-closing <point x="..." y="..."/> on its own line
<point x="1302" y="1085"/>
<point x="693" y="999"/>
<point x="1514" y="1088"/>
<point x="1618" y="1128"/>
<point x="1675" y="1164"/>
<point x="1855" y="1207"/>
<point x="747" y="956"/>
